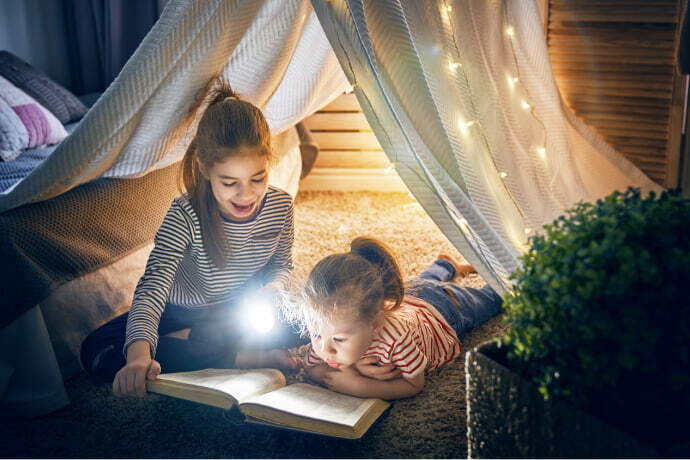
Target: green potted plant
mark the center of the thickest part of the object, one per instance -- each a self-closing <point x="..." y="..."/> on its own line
<point x="596" y="362"/>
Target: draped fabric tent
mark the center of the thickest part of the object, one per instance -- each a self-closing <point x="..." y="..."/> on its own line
<point x="460" y="94"/>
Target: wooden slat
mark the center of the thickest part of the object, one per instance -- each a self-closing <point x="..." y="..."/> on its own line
<point x="608" y="121"/>
<point x="346" y="141"/>
<point x="560" y="56"/>
<point x="594" y="74"/>
<point x="367" y="159"/>
<point x="604" y="83"/>
<point x="607" y="32"/>
<point x="618" y="101"/>
<point x="665" y="69"/>
<point x="343" y="103"/>
<point x="613" y="14"/>
<point x="329" y="121"/>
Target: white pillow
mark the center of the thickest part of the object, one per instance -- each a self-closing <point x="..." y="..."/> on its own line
<point x="24" y="123"/>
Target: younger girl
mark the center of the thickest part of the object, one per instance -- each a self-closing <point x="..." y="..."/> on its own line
<point x="229" y="236"/>
<point x="373" y="337"/>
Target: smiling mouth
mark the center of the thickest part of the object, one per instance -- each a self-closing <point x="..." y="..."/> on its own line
<point x="242" y="209"/>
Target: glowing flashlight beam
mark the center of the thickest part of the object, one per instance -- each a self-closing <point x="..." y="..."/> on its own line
<point x="260" y="316"/>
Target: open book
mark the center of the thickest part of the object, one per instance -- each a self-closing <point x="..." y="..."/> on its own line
<point x="263" y="397"/>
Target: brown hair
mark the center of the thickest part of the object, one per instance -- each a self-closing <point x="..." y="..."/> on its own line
<point x="228" y="124"/>
<point x="357" y="283"/>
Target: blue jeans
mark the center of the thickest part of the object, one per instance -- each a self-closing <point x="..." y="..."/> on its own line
<point x="464" y="308"/>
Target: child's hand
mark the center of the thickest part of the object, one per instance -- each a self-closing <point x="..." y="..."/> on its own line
<point x="131" y="379"/>
<point x="370" y="367"/>
<point x="346" y="380"/>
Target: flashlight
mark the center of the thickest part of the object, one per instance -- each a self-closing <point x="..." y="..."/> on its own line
<point x="259" y="313"/>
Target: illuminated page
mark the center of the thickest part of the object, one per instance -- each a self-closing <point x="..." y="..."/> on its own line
<point x="314" y="402"/>
<point x="239" y="384"/>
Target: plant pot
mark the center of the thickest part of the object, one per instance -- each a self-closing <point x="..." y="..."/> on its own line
<point x="507" y="417"/>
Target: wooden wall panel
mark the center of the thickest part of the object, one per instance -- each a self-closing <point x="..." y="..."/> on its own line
<point x="614" y="61"/>
<point x="350" y="157"/>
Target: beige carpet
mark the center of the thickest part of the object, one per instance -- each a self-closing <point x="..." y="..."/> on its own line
<point x="430" y="425"/>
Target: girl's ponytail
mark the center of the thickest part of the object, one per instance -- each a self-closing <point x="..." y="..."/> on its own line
<point x="221" y="91"/>
<point x="380" y="255"/>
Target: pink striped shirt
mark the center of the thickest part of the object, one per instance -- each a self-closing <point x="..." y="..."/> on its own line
<point x="414" y="338"/>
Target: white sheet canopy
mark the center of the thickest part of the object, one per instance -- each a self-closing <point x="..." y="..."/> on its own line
<point x="460" y="95"/>
<point x="462" y="98"/>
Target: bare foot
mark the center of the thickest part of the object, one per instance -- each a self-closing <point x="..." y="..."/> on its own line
<point x="461" y="269"/>
<point x="276" y="358"/>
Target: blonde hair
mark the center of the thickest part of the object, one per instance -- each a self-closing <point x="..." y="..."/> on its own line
<point x="228" y="124"/>
<point x="357" y="283"/>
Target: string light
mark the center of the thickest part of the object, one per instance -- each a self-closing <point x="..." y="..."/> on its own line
<point x="449" y="8"/>
<point x="454" y="65"/>
<point x="541" y="151"/>
<point x="528" y="231"/>
<point x="389" y="169"/>
<point x="465" y="125"/>
<point x="351" y="88"/>
<point x="525" y="105"/>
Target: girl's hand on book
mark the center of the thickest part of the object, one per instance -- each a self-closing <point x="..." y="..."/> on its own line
<point x="370" y="367"/>
<point x="346" y="380"/>
<point x="131" y="379"/>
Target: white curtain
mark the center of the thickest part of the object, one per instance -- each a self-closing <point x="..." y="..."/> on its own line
<point x="274" y="53"/>
<point x="461" y="96"/>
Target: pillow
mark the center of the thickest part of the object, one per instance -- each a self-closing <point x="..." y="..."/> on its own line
<point x="54" y="97"/>
<point x="24" y="123"/>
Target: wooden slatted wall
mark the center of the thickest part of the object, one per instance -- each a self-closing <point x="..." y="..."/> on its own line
<point x="614" y="61"/>
<point x="350" y="157"/>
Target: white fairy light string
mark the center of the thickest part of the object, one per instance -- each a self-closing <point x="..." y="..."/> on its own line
<point x="465" y="126"/>
<point x="513" y="81"/>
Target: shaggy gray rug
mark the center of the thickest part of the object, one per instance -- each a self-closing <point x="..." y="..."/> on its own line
<point x="430" y="425"/>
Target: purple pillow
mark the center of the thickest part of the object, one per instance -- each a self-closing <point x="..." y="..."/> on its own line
<point x="24" y="123"/>
<point x="62" y="103"/>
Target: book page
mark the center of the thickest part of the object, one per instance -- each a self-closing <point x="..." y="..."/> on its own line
<point x="239" y="383"/>
<point x="316" y="403"/>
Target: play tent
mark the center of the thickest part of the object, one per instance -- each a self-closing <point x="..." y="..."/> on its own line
<point x="459" y="94"/>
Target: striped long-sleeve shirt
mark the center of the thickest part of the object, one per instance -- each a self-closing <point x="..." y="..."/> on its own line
<point x="180" y="271"/>
<point x="415" y="338"/>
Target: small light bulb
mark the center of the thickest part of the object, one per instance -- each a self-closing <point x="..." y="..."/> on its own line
<point x="512" y="81"/>
<point x="464" y="125"/>
<point x="526" y="105"/>
<point x="449" y="8"/>
<point x="541" y="151"/>
<point x="389" y="169"/>
<point x="510" y="31"/>
<point x="503" y="175"/>
<point x="527" y="231"/>
<point x="454" y="65"/>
